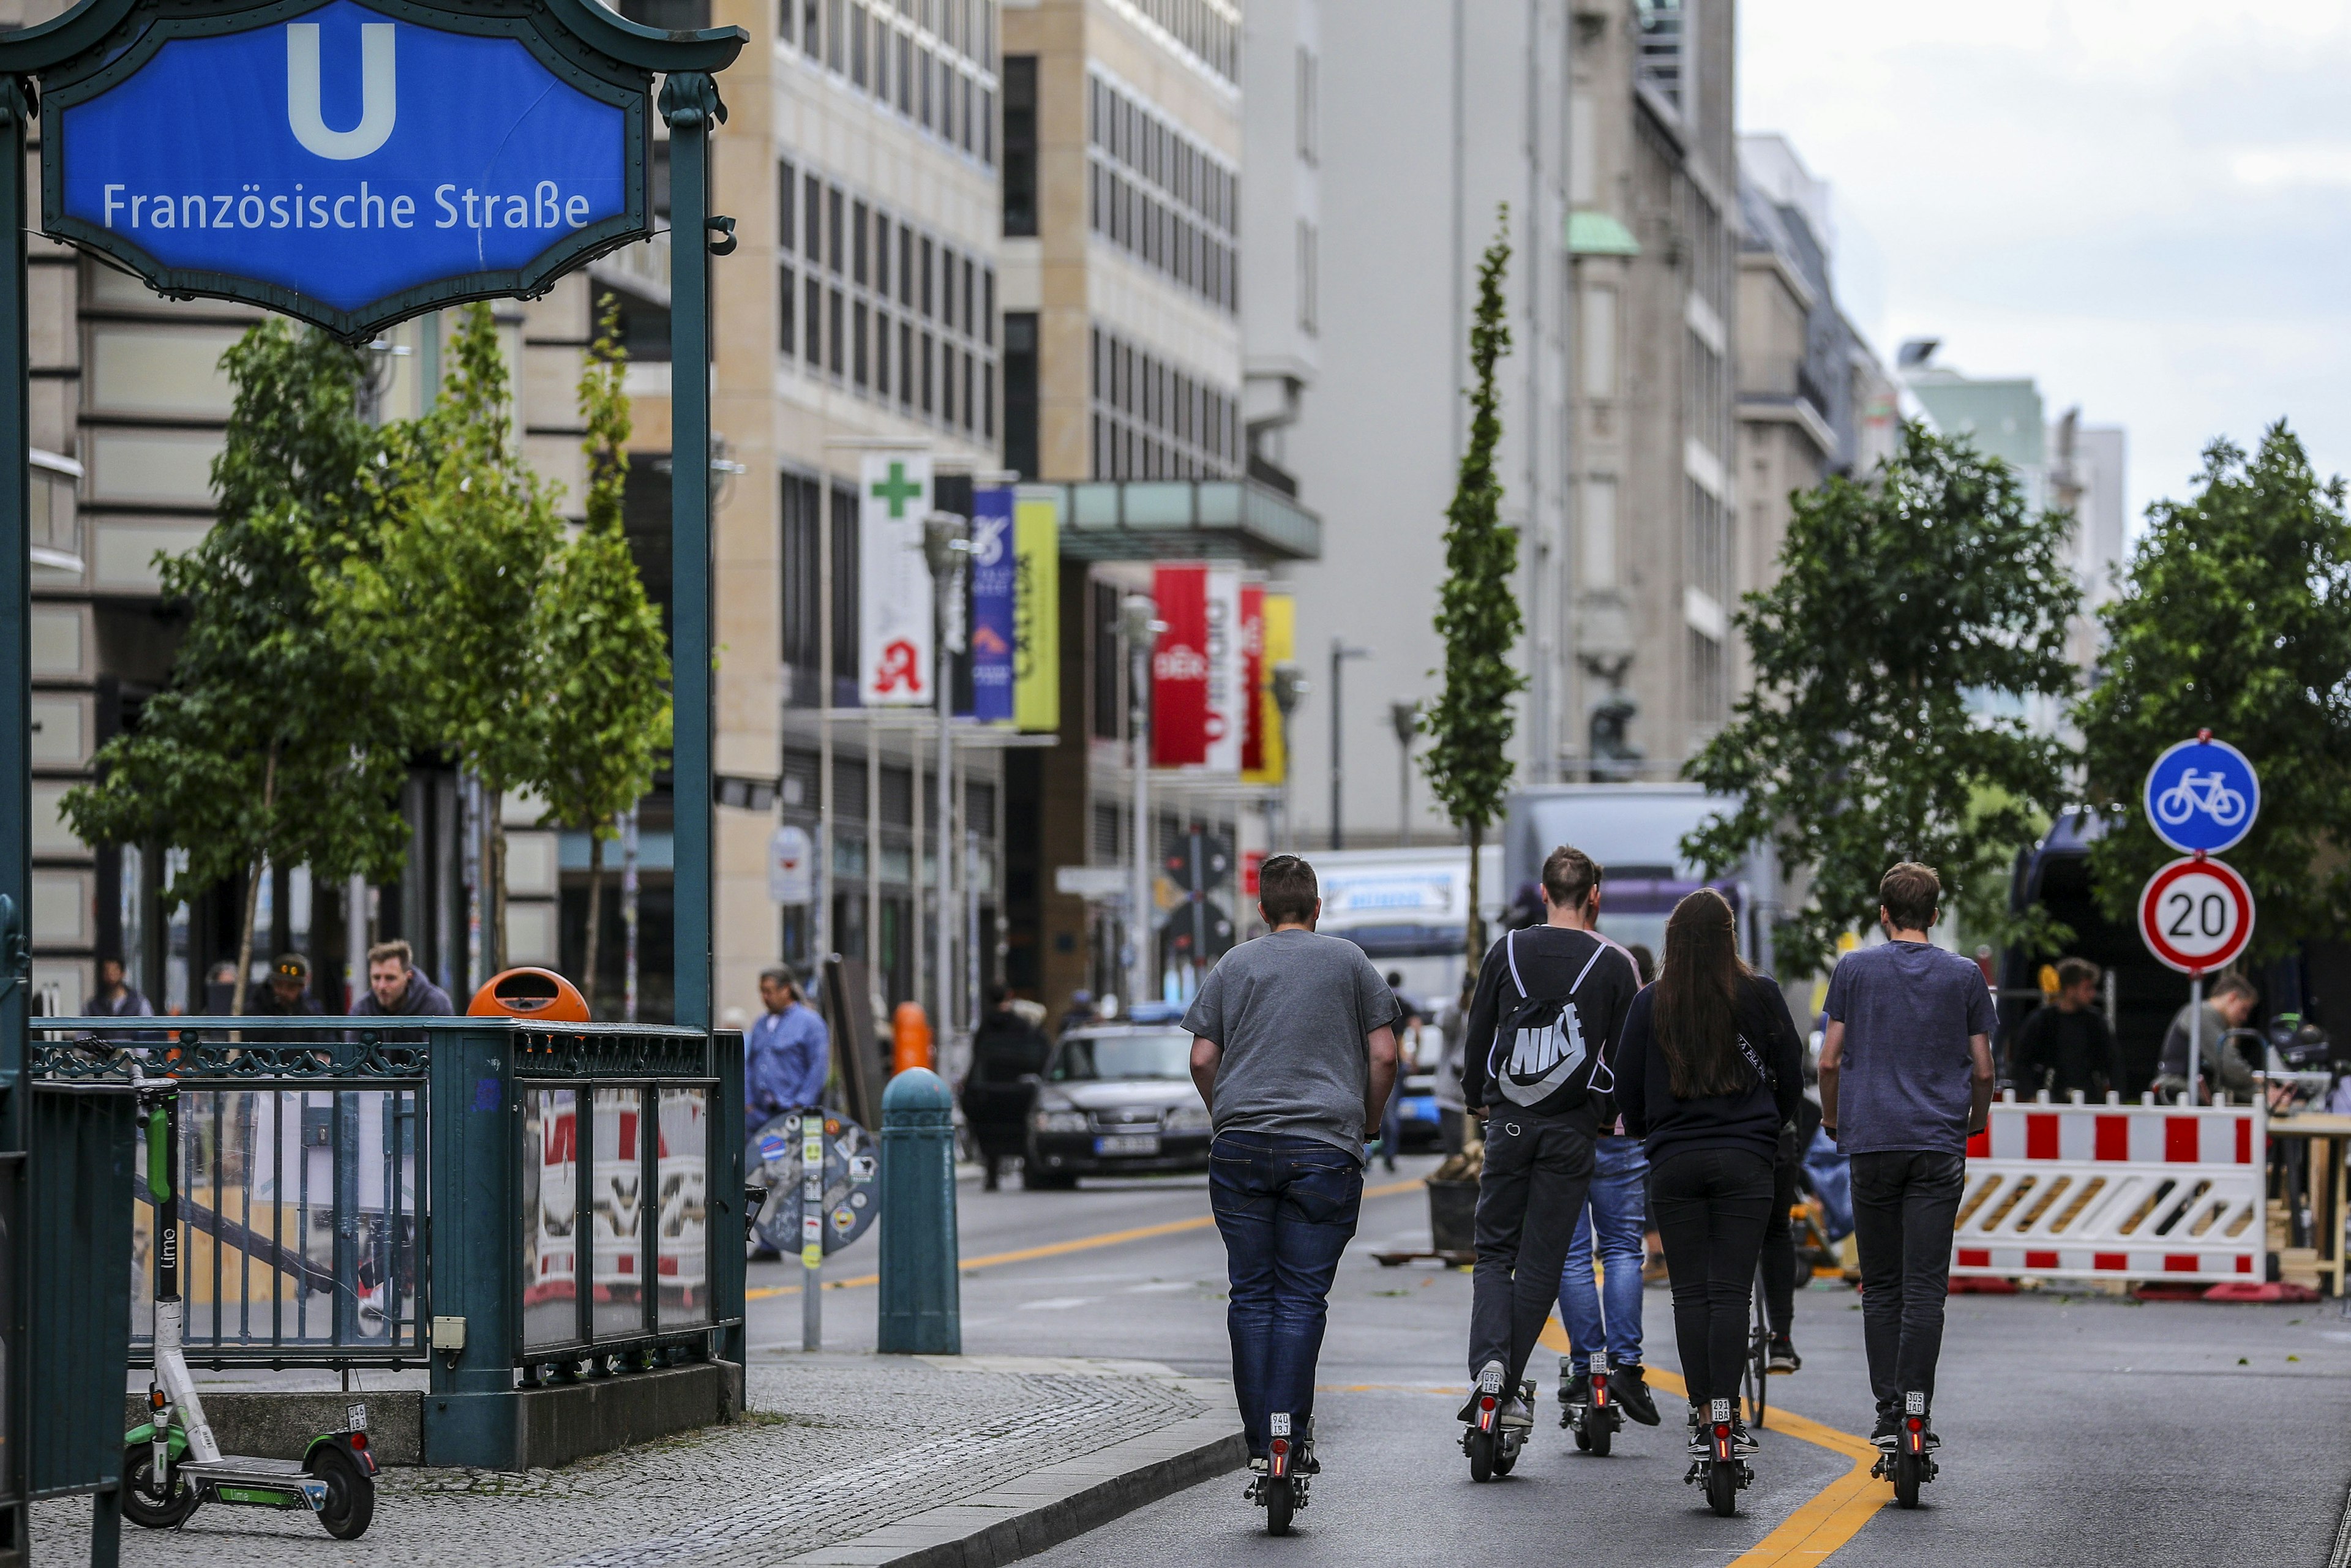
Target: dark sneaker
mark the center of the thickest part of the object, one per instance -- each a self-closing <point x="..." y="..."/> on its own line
<point x="1742" y="1441"/>
<point x="1698" y="1443"/>
<point x="1631" y="1390"/>
<point x="1576" y="1390"/>
<point x="1883" y="1435"/>
<point x="1783" y="1356"/>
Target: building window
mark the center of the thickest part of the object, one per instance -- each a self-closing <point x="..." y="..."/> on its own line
<point x="1309" y="273"/>
<point x="1159" y="196"/>
<point x="1660" y="65"/>
<point x="785" y="300"/>
<point x="833" y="202"/>
<point x="857" y="344"/>
<point x="1155" y="420"/>
<point x="1105" y="671"/>
<point x="1710" y="544"/>
<point x="1019" y="145"/>
<point x="859" y="220"/>
<point x="1310" y="91"/>
<point x="787" y="188"/>
<point x="811" y="324"/>
<point x="1600" y="344"/>
<point x="1709" y="700"/>
<point x="835" y="307"/>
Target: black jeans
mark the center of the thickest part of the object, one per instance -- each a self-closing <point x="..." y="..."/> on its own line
<point x="1906" y="1203"/>
<point x="1538" y="1172"/>
<point x="1779" y="1248"/>
<point x="1711" y="1206"/>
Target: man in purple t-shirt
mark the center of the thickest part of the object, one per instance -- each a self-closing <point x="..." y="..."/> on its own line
<point x="1906" y="1075"/>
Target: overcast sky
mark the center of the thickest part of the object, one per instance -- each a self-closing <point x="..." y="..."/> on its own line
<point x="2144" y="205"/>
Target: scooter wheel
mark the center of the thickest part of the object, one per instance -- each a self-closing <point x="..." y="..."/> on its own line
<point x="1280" y="1503"/>
<point x="350" y="1491"/>
<point x="144" y="1501"/>
<point x="1722" y="1489"/>
<point x="1909" y="1470"/>
<point x="1583" y="1439"/>
<point x="1480" y="1449"/>
<point x="1600" y="1439"/>
<point x="1506" y="1459"/>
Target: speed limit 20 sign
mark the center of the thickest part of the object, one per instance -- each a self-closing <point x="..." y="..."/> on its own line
<point x="2195" y="914"/>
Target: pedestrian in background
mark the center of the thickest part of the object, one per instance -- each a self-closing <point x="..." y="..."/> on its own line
<point x="1407" y="1030"/>
<point x="1906" y="1076"/>
<point x="2065" y="1043"/>
<point x="1708" y="1072"/>
<point x="287" y="994"/>
<point x="2219" y="1061"/>
<point x="1006" y="1051"/>
<point x="1551" y="1001"/>
<point x="115" y="998"/>
<point x="1294" y="1050"/>
<point x="786" y="1054"/>
<point x="397" y="988"/>
<point x="1452" y="1110"/>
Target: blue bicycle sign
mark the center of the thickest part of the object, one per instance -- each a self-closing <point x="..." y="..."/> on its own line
<point x="2202" y="795"/>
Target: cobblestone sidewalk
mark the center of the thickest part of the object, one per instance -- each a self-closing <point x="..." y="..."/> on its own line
<point x="833" y="1447"/>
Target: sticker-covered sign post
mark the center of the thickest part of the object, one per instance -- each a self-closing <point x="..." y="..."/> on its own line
<point x="352" y="165"/>
<point x="2195" y="914"/>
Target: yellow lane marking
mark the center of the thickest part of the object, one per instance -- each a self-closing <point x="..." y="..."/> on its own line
<point x="1058" y="1249"/>
<point x="1825" y="1521"/>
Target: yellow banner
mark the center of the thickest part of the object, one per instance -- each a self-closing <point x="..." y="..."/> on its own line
<point x="1280" y="646"/>
<point x="1037" y="615"/>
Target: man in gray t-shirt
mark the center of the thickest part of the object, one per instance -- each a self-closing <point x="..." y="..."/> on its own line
<point x="1295" y="1052"/>
<point x="1906" y="1075"/>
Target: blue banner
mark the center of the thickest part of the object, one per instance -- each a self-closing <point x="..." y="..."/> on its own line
<point x="991" y="604"/>
<point x="344" y="155"/>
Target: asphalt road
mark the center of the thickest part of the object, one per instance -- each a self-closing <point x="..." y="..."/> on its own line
<point x="2080" y="1430"/>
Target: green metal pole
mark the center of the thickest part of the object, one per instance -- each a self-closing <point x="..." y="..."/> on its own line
<point x="15" y="804"/>
<point x="690" y="103"/>
<point x="474" y="1121"/>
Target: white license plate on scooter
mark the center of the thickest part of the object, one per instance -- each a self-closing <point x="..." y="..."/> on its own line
<point x="1127" y="1143"/>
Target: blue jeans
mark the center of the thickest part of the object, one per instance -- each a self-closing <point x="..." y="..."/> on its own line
<point x="1286" y="1207"/>
<point x="1620" y="1179"/>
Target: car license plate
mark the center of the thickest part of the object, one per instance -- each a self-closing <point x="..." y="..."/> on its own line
<point x="1128" y="1144"/>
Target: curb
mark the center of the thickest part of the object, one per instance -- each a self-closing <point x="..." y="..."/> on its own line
<point x="1046" y="1507"/>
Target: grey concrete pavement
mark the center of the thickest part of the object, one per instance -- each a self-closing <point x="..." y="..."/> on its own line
<point x="837" y="1448"/>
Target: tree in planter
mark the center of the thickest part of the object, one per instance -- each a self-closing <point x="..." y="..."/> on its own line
<point x="280" y="739"/>
<point x="454" y="596"/>
<point x="608" y="704"/>
<point x="1902" y="604"/>
<point x="2235" y="617"/>
<point x="1478" y="613"/>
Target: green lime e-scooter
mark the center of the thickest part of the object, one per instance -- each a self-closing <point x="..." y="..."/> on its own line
<point x="171" y="1464"/>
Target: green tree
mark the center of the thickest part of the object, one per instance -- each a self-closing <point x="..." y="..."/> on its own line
<point x="1468" y="760"/>
<point x="600" y="641"/>
<point x="2235" y="617"/>
<point x="280" y="739"/>
<point x="453" y="598"/>
<point x="1910" y="612"/>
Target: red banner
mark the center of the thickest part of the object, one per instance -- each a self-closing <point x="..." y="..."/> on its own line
<point x="1179" y="668"/>
<point x="1253" y="677"/>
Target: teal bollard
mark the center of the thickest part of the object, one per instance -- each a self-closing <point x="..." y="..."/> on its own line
<point x="921" y="1287"/>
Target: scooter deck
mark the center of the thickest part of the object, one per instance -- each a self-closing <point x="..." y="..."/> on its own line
<point x="270" y="1483"/>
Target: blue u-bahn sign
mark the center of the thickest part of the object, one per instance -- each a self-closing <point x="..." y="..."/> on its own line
<point x="350" y="164"/>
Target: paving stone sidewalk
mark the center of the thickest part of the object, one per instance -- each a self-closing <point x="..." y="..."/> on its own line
<point x="835" y="1446"/>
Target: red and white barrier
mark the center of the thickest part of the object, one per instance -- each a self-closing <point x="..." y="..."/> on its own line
<point x="2116" y="1192"/>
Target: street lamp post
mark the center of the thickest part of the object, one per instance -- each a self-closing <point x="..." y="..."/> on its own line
<point x="1405" y="716"/>
<point x="1139" y="623"/>
<point x="947" y="539"/>
<point x="1340" y="654"/>
<point x="1290" y="688"/>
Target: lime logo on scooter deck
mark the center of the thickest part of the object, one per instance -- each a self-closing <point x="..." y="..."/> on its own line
<point x="257" y="1497"/>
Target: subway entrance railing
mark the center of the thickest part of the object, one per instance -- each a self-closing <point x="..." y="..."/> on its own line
<point x="511" y="1205"/>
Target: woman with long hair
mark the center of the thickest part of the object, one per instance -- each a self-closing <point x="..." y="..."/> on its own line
<point x="1708" y="1071"/>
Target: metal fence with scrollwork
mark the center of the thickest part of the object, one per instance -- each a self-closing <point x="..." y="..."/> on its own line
<point x="307" y="1184"/>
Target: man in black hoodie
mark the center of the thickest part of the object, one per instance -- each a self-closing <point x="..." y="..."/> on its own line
<point x="1549" y="1003"/>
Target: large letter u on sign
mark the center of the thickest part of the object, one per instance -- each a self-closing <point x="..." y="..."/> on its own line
<point x="378" y="101"/>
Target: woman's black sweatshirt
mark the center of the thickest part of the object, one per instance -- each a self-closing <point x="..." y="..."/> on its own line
<point x="1748" y="1118"/>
